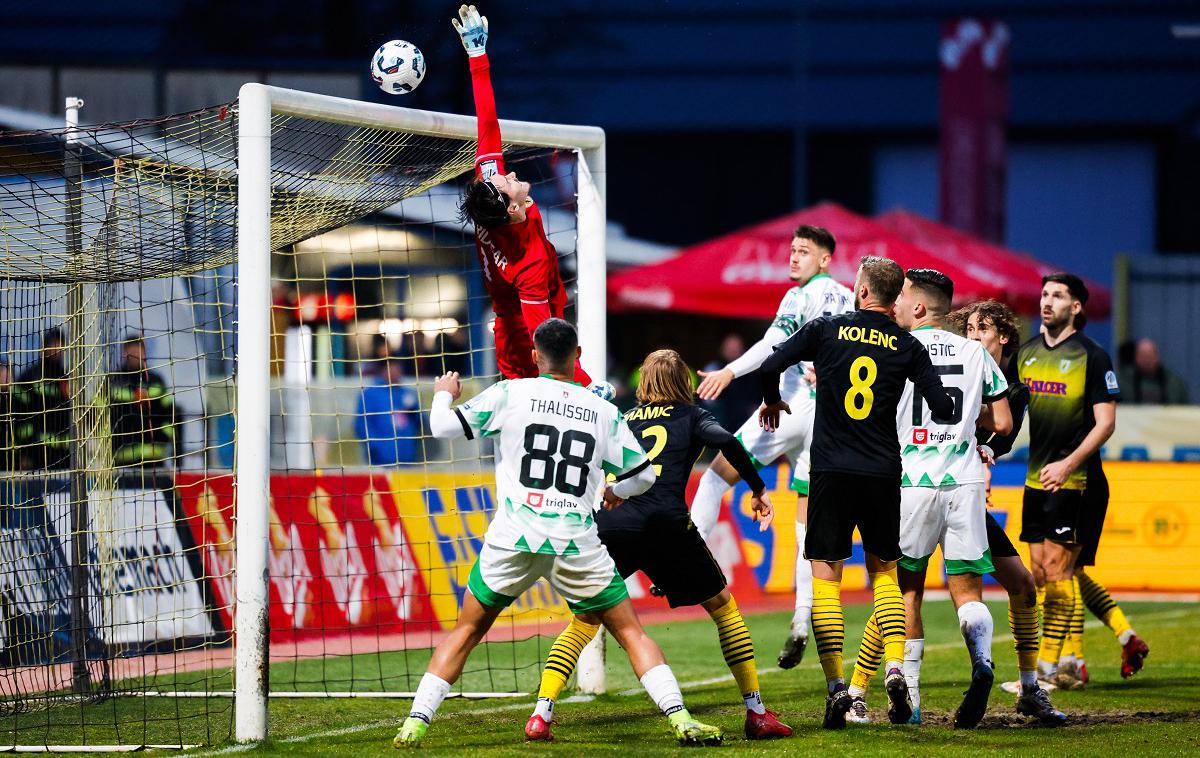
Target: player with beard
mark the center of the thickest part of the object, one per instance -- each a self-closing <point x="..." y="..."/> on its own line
<point x="863" y="359"/>
<point x="1072" y="412"/>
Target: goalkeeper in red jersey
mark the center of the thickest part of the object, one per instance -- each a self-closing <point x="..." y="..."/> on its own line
<point x="520" y="265"/>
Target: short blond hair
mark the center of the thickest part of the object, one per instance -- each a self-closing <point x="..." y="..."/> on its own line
<point x="665" y="378"/>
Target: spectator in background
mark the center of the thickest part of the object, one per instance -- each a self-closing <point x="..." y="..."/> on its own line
<point x="389" y="419"/>
<point x="741" y="398"/>
<point x="456" y="352"/>
<point x="16" y="428"/>
<point x="46" y="396"/>
<point x="142" y="410"/>
<point x="1146" y="381"/>
<point x="375" y="364"/>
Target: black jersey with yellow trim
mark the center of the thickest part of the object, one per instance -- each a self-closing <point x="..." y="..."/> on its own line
<point x="862" y="360"/>
<point x="1065" y="381"/>
<point x="673" y="436"/>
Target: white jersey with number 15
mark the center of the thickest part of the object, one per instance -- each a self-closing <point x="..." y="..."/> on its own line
<point x="942" y="453"/>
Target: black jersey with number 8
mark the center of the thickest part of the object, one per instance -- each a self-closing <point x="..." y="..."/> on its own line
<point x="862" y="360"/>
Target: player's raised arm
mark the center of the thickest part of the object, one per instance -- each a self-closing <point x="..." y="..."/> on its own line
<point x="801" y="346"/>
<point x="472" y="29"/>
<point x="713" y="383"/>
<point x="478" y="417"/>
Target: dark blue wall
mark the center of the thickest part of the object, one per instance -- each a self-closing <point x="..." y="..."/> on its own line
<point x="720" y="112"/>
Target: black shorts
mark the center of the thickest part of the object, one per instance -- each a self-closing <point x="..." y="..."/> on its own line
<point x="998" y="541"/>
<point x="675" y="558"/>
<point x="1054" y="516"/>
<point x="1091" y="522"/>
<point x="838" y="502"/>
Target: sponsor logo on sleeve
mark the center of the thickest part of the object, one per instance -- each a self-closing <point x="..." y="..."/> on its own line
<point x="1110" y="380"/>
<point x="488" y="169"/>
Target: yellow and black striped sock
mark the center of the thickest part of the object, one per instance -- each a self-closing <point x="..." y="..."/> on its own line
<point x="870" y="656"/>
<point x="737" y="647"/>
<point x="1102" y="606"/>
<point x="1060" y="604"/>
<point x="889" y="614"/>
<point x="564" y="654"/>
<point x="1023" y="620"/>
<point x="829" y="626"/>
<point x="1073" y="645"/>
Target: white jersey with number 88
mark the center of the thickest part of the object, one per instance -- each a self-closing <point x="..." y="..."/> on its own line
<point x="556" y="442"/>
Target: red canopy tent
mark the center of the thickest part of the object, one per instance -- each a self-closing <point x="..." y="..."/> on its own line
<point x="1019" y="276"/>
<point x="744" y="274"/>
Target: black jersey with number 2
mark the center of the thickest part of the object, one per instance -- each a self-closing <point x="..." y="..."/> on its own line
<point x="673" y="436"/>
<point x="862" y="360"/>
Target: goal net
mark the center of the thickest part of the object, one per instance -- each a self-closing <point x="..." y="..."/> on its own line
<point x="219" y="332"/>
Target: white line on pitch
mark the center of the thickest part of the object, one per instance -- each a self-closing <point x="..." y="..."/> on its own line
<point x="587" y="698"/>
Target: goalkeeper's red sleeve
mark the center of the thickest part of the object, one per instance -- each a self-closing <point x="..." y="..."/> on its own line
<point x="533" y="314"/>
<point x="488" y="149"/>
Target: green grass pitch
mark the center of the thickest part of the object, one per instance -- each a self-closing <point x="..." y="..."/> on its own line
<point x="1155" y="713"/>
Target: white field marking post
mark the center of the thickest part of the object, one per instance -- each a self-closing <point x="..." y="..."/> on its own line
<point x="256" y="103"/>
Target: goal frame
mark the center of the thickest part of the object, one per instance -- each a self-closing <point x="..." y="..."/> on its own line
<point x="256" y="104"/>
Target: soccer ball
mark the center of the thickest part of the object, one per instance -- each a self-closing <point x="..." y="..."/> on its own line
<point x="398" y="67"/>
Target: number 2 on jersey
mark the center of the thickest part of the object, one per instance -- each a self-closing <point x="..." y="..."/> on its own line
<point x="862" y="376"/>
<point x="659" y="433"/>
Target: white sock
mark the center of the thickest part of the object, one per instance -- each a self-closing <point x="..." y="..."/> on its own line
<point x="975" y="623"/>
<point x="1028" y="679"/>
<point x="1046" y="669"/>
<point x="430" y="694"/>
<point x="663" y="689"/>
<point x="804" y="586"/>
<point x="1066" y="660"/>
<point x="545" y="709"/>
<point x="856" y="691"/>
<point x="914" y="651"/>
<point x="754" y="703"/>
<point x="1125" y="636"/>
<point x="706" y="505"/>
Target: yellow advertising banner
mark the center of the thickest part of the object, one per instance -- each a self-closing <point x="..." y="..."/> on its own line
<point x="1151" y="532"/>
<point x="445" y="516"/>
<point x="1151" y="538"/>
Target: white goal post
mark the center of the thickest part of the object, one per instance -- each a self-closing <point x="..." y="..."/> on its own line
<point x="256" y="105"/>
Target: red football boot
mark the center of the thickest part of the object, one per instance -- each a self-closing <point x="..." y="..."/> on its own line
<point x="1133" y="656"/>
<point x="765" y="726"/>
<point x="537" y="729"/>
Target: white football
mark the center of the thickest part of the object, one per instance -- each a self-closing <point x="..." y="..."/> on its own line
<point x="398" y="67"/>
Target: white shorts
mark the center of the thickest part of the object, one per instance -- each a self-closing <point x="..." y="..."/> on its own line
<point x="953" y="517"/>
<point x="791" y="440"/>
<point x="588" y="581"/>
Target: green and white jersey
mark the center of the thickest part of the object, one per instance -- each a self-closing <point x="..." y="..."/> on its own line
<point x="820" y="296"/>
<point x="555" y="443"/>
<point x="942" y="454"/>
